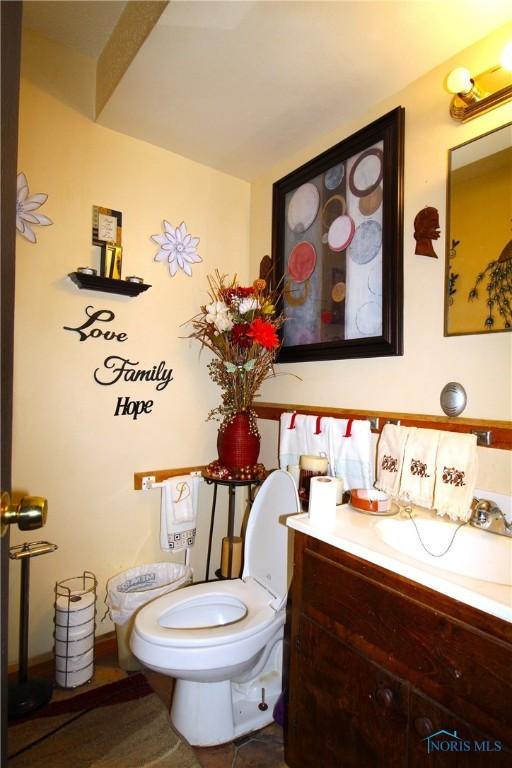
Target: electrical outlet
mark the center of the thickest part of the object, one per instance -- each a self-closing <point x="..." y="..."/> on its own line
<point x="147" y="482"/>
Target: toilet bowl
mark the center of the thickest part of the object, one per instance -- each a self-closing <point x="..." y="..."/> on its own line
<point x="222" y="640"/>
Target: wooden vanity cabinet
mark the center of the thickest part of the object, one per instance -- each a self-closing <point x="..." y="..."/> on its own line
<point x="378" y="663"/>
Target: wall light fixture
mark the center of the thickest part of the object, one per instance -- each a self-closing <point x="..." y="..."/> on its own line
<point x="475" y="95"/>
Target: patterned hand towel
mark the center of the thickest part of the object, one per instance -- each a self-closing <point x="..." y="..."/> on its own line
<point x="456" y="469"/>
<point x="419" y="467"/>
<point x="178" y="512"/>
<point x="390" y="455"/>
<point x="350" y="452"/>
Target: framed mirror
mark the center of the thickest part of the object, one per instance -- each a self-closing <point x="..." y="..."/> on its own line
<point x="478" y="282"/>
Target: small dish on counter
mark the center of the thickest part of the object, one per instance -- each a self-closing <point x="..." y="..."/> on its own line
<point x="371" y="502"/>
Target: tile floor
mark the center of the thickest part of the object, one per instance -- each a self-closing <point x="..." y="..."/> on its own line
<point x="263" y="749"/>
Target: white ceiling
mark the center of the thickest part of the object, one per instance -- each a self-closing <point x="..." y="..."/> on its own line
<point x="240" y="85"/>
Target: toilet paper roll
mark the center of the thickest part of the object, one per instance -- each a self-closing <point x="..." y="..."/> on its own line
<point x="322" y="501"/>
<point x="340" y="488"/>
<point x="75" y="663"/>
<point x="72" y="634"/>
<point x="73" y="679"/>
<point x="74" y="647"/>
<point x="74" y="610"/>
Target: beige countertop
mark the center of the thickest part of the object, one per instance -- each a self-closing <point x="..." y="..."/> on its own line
<point x="360" y="535"/>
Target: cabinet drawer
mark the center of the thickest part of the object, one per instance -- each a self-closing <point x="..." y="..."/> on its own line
<point x="466" y="670"/>
<point x="344" y="710"/>
<point x="438" y="739"/>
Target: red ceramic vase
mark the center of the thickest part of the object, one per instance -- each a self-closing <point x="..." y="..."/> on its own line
<point x="238" y="444"/>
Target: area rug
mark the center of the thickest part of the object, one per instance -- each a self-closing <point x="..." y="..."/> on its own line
<point x="121" y="725"/>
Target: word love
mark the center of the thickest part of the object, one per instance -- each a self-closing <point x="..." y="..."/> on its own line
<point x="100" y="316"/>
<point x="118" y="369"/>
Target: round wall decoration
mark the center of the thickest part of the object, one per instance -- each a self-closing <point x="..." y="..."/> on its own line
<point x="366" y="173"/>
<point x="338" y="292"/>
<point x="366" y="243"/>
<point x="295" y="295"/>
<point x="341" y="233"/>
<point x="334" y="176"/>
<point x="375" y="279"/>
<point x="302" y="261"/>
<point x="371" y="203"/>
<point x="333" y="207"/>
<point x="303" y="207"/>
<point x="369" y="318"/>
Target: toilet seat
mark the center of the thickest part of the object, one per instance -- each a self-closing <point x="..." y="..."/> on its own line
<point x="258" y="614"/>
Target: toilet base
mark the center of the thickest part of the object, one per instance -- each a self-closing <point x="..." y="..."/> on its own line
<point x="207" y="714"/>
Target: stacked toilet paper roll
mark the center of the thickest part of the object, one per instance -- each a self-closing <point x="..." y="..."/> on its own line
<point x="322" y="501"/>
<point x="74" y="638"/>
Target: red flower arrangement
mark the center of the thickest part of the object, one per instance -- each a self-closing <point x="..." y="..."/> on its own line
<point x="239" y="325"/>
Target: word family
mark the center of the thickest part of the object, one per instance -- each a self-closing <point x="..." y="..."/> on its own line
<point x="118" y="369"/>
<point x="100" y="316"/>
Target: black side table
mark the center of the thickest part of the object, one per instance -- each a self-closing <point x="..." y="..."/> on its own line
<point x="232" y="486"/>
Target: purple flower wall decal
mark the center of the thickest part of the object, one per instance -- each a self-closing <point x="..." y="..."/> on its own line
<point x="26" y="205"/>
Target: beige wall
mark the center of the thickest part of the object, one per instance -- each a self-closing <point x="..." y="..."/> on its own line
<point x="411" y="383"/>
<point x="68" y="445"/>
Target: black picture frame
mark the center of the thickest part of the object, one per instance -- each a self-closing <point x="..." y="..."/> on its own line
<point x="319" y="220"/>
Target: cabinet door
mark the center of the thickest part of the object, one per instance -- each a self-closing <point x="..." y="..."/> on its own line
<point x="438" y="738"/>
<point x="343" y="709"/>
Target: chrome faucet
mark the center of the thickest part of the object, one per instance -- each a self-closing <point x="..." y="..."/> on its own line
<point x="488" y="516"/>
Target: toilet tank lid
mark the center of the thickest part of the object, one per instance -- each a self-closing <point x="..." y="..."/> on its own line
<point x="266" y="538"/>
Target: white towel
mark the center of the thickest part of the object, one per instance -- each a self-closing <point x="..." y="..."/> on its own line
<point x="419" y="467"/>
<point x="178" y="512"/>
<point x="350" y="452"/>
<point x="456" y="469"/>
<point x="390" y="456"/>
<point x="301" y="435"/>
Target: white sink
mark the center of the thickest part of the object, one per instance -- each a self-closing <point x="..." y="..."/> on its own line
<point x="474" y="553"/>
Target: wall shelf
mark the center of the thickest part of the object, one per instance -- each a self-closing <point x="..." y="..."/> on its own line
<point x="107" y="284"/>
<point x="501" y="430"/>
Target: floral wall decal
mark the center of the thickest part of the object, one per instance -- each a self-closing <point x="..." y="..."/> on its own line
<point x="177" y="247"/>
<point x="26" y="205"/>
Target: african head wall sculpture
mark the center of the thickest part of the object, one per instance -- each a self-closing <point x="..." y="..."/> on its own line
<point x="426" y="229"/>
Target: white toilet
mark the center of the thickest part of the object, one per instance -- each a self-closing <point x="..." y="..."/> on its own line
<point x="223" y="640"/>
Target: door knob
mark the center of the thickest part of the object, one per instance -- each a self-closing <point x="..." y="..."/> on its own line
<point x="29" y="514"/>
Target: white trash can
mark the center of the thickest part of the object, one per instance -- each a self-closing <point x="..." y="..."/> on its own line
<point x="130" y="590"/>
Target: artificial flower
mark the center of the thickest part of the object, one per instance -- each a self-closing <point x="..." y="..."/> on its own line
<point x="247" y="305"/>
<point x="25" y="206"/>
<point x="217" y="313"/>
<point x="264" y="333"/>
<point x="239" y="335"/>
<point x="177" y="247"/>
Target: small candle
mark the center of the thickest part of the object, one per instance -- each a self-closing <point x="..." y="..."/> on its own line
<point x="314" y="463"/>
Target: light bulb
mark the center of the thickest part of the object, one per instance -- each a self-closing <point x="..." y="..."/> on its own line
<point x="459" y="81"/>
<point x="506" y="57"/>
